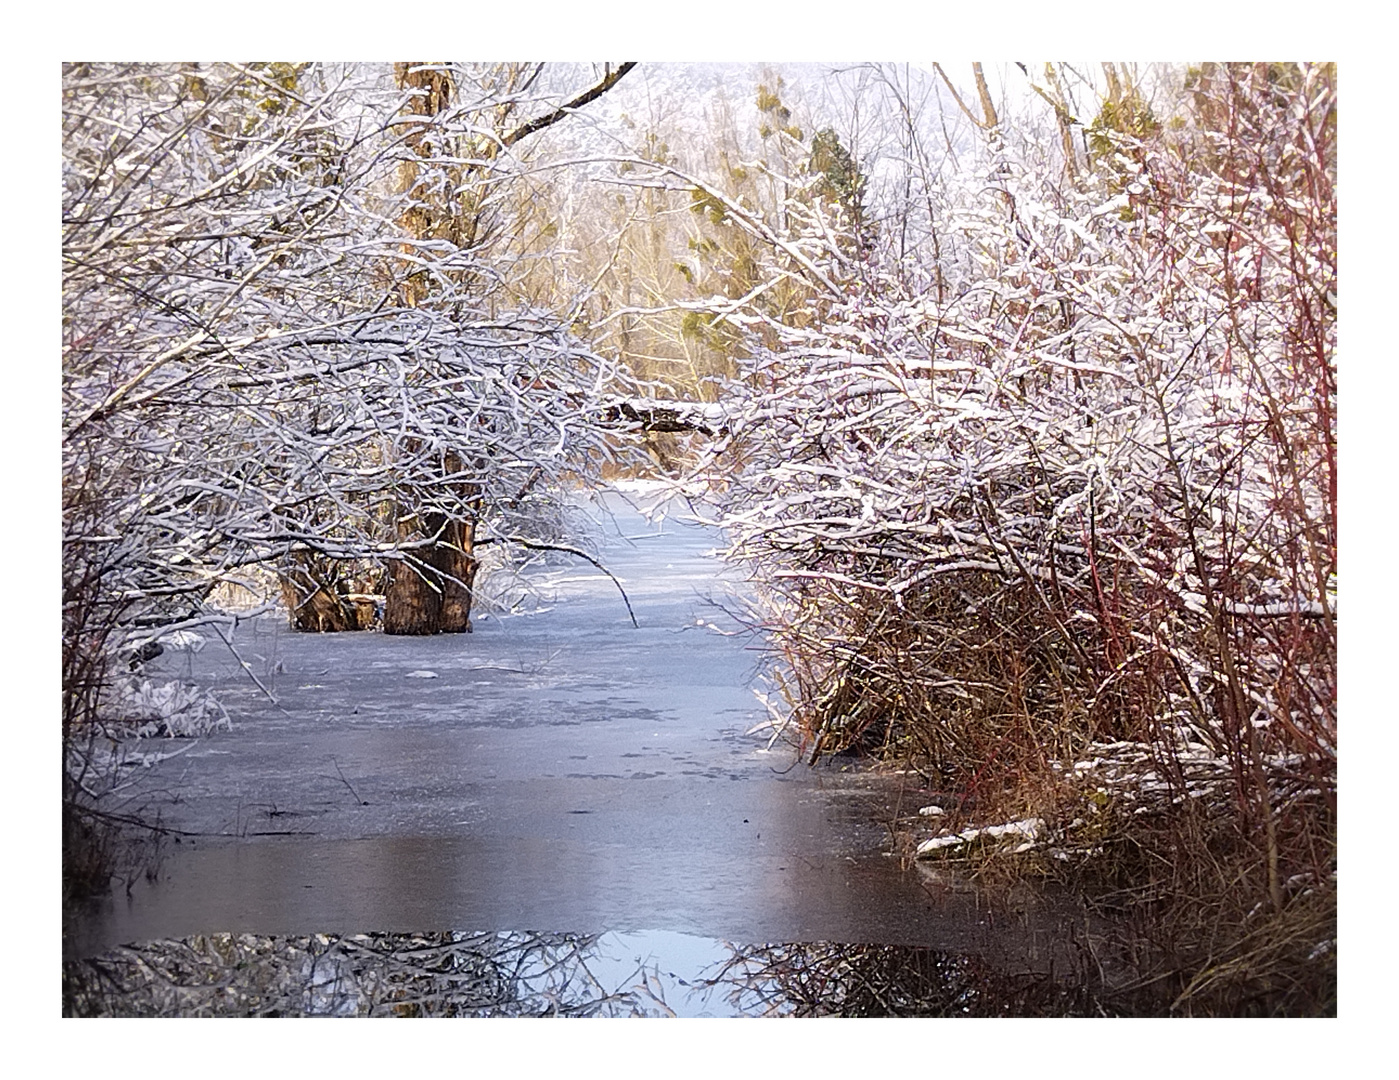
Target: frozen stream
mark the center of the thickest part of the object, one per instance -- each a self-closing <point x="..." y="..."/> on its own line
<point x="563" y="771"/>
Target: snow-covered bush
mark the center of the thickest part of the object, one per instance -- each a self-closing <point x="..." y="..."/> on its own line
<point x="1076" y="482"/>
<point x="139" y="708"/>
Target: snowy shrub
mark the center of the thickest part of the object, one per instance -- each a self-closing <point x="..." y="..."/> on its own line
<point x="144" y="709"/>
<point x="1074" y="484"/>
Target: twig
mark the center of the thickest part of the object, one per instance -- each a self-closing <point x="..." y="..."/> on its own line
<point x="608" y="81"/>
<point x="353" y="792"/>
<point x="244" y="664"/>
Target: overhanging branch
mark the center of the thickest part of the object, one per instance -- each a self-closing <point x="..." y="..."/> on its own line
<point x="540" y="545"/>
<point x="607" y="82"/>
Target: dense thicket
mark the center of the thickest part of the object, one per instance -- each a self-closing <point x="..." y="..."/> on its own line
<point x="1052" y="516"/>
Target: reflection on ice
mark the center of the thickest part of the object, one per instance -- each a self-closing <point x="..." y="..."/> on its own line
<point x="434" y="974"/>
<point x="652" y="973"/>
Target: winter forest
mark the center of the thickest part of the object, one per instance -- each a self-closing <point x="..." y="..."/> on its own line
<point x="1010" y="390"/>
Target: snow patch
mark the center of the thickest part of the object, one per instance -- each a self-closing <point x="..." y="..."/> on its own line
<point x="1027" y="830"/>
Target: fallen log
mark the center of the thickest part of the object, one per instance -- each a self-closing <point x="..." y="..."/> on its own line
<point x="646" y="414"/>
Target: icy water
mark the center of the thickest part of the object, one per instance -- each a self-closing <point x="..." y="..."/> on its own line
<point x="557" y="772"/>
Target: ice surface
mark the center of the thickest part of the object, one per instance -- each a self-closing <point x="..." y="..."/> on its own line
<point x="564" y="771"/>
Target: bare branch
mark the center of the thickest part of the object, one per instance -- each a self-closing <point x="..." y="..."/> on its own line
<point x="606" y="83"/>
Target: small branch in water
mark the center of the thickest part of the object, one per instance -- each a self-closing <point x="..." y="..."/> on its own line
<point x="347" y="783"/>
<point x="127" y="819"/>
<point x="539" y="545"/>
<point x="244" y="664"/>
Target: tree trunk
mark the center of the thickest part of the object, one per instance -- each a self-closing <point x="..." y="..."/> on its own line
<point x="433" y="595"/>
<point x="454" y="557"/>
<point x="315" y="596"/>
<point x="413" y="598"/>
<point x="412" y="604"/>
<point x="419" y="600"/>
<point x="987" y="108"/>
